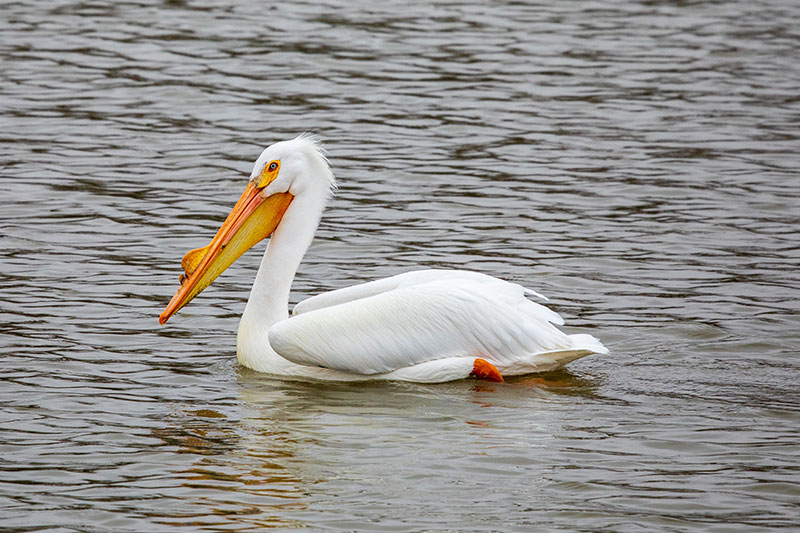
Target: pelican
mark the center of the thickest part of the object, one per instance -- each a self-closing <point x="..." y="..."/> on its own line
<point x="426" y="326"/>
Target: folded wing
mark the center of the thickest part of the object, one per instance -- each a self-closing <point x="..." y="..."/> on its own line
<point x="418" y="317"/>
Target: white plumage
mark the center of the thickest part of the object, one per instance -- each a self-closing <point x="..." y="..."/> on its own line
<point x="425" y="326"/>
<point x="422" y="316"/>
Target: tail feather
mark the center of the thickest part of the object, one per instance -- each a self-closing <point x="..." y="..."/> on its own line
<point x="587" y="342"/>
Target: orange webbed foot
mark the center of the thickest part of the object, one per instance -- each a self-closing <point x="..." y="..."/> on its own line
<point x="483" y="369"/>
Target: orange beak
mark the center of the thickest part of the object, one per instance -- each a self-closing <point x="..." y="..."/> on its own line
<point x="252" y="219"/>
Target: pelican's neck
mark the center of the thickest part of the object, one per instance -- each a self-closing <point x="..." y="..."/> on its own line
<point x="269" y="297"/>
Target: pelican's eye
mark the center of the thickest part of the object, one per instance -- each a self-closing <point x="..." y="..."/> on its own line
<point x="268" y="174"/>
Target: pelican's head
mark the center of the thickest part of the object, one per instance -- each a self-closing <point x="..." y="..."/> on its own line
<point x="297" y="166"/>
<point x="285" y="170"/>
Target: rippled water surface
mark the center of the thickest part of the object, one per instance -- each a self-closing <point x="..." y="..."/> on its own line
<point x="635" y="161"/>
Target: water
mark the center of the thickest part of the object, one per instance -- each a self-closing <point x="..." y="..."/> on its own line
<point x="637" y="162"/>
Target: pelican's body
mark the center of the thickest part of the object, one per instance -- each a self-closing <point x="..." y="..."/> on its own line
<point x="422" y="326"/>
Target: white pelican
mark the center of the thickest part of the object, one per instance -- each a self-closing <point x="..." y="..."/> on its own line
<point x="424" y="326"/>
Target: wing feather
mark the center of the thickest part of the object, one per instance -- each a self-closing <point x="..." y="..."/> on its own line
<point x="418" y="317"/>
<point x="411" y="279"/>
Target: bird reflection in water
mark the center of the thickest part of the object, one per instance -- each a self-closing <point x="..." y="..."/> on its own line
<point x="243" y="465"/>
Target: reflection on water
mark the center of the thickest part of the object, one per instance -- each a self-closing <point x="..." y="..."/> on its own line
<point x="636" y="163"/>
<point x="254" y="466"/>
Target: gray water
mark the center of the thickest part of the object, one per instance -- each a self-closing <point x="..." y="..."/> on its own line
<point x="635" y="161"/>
